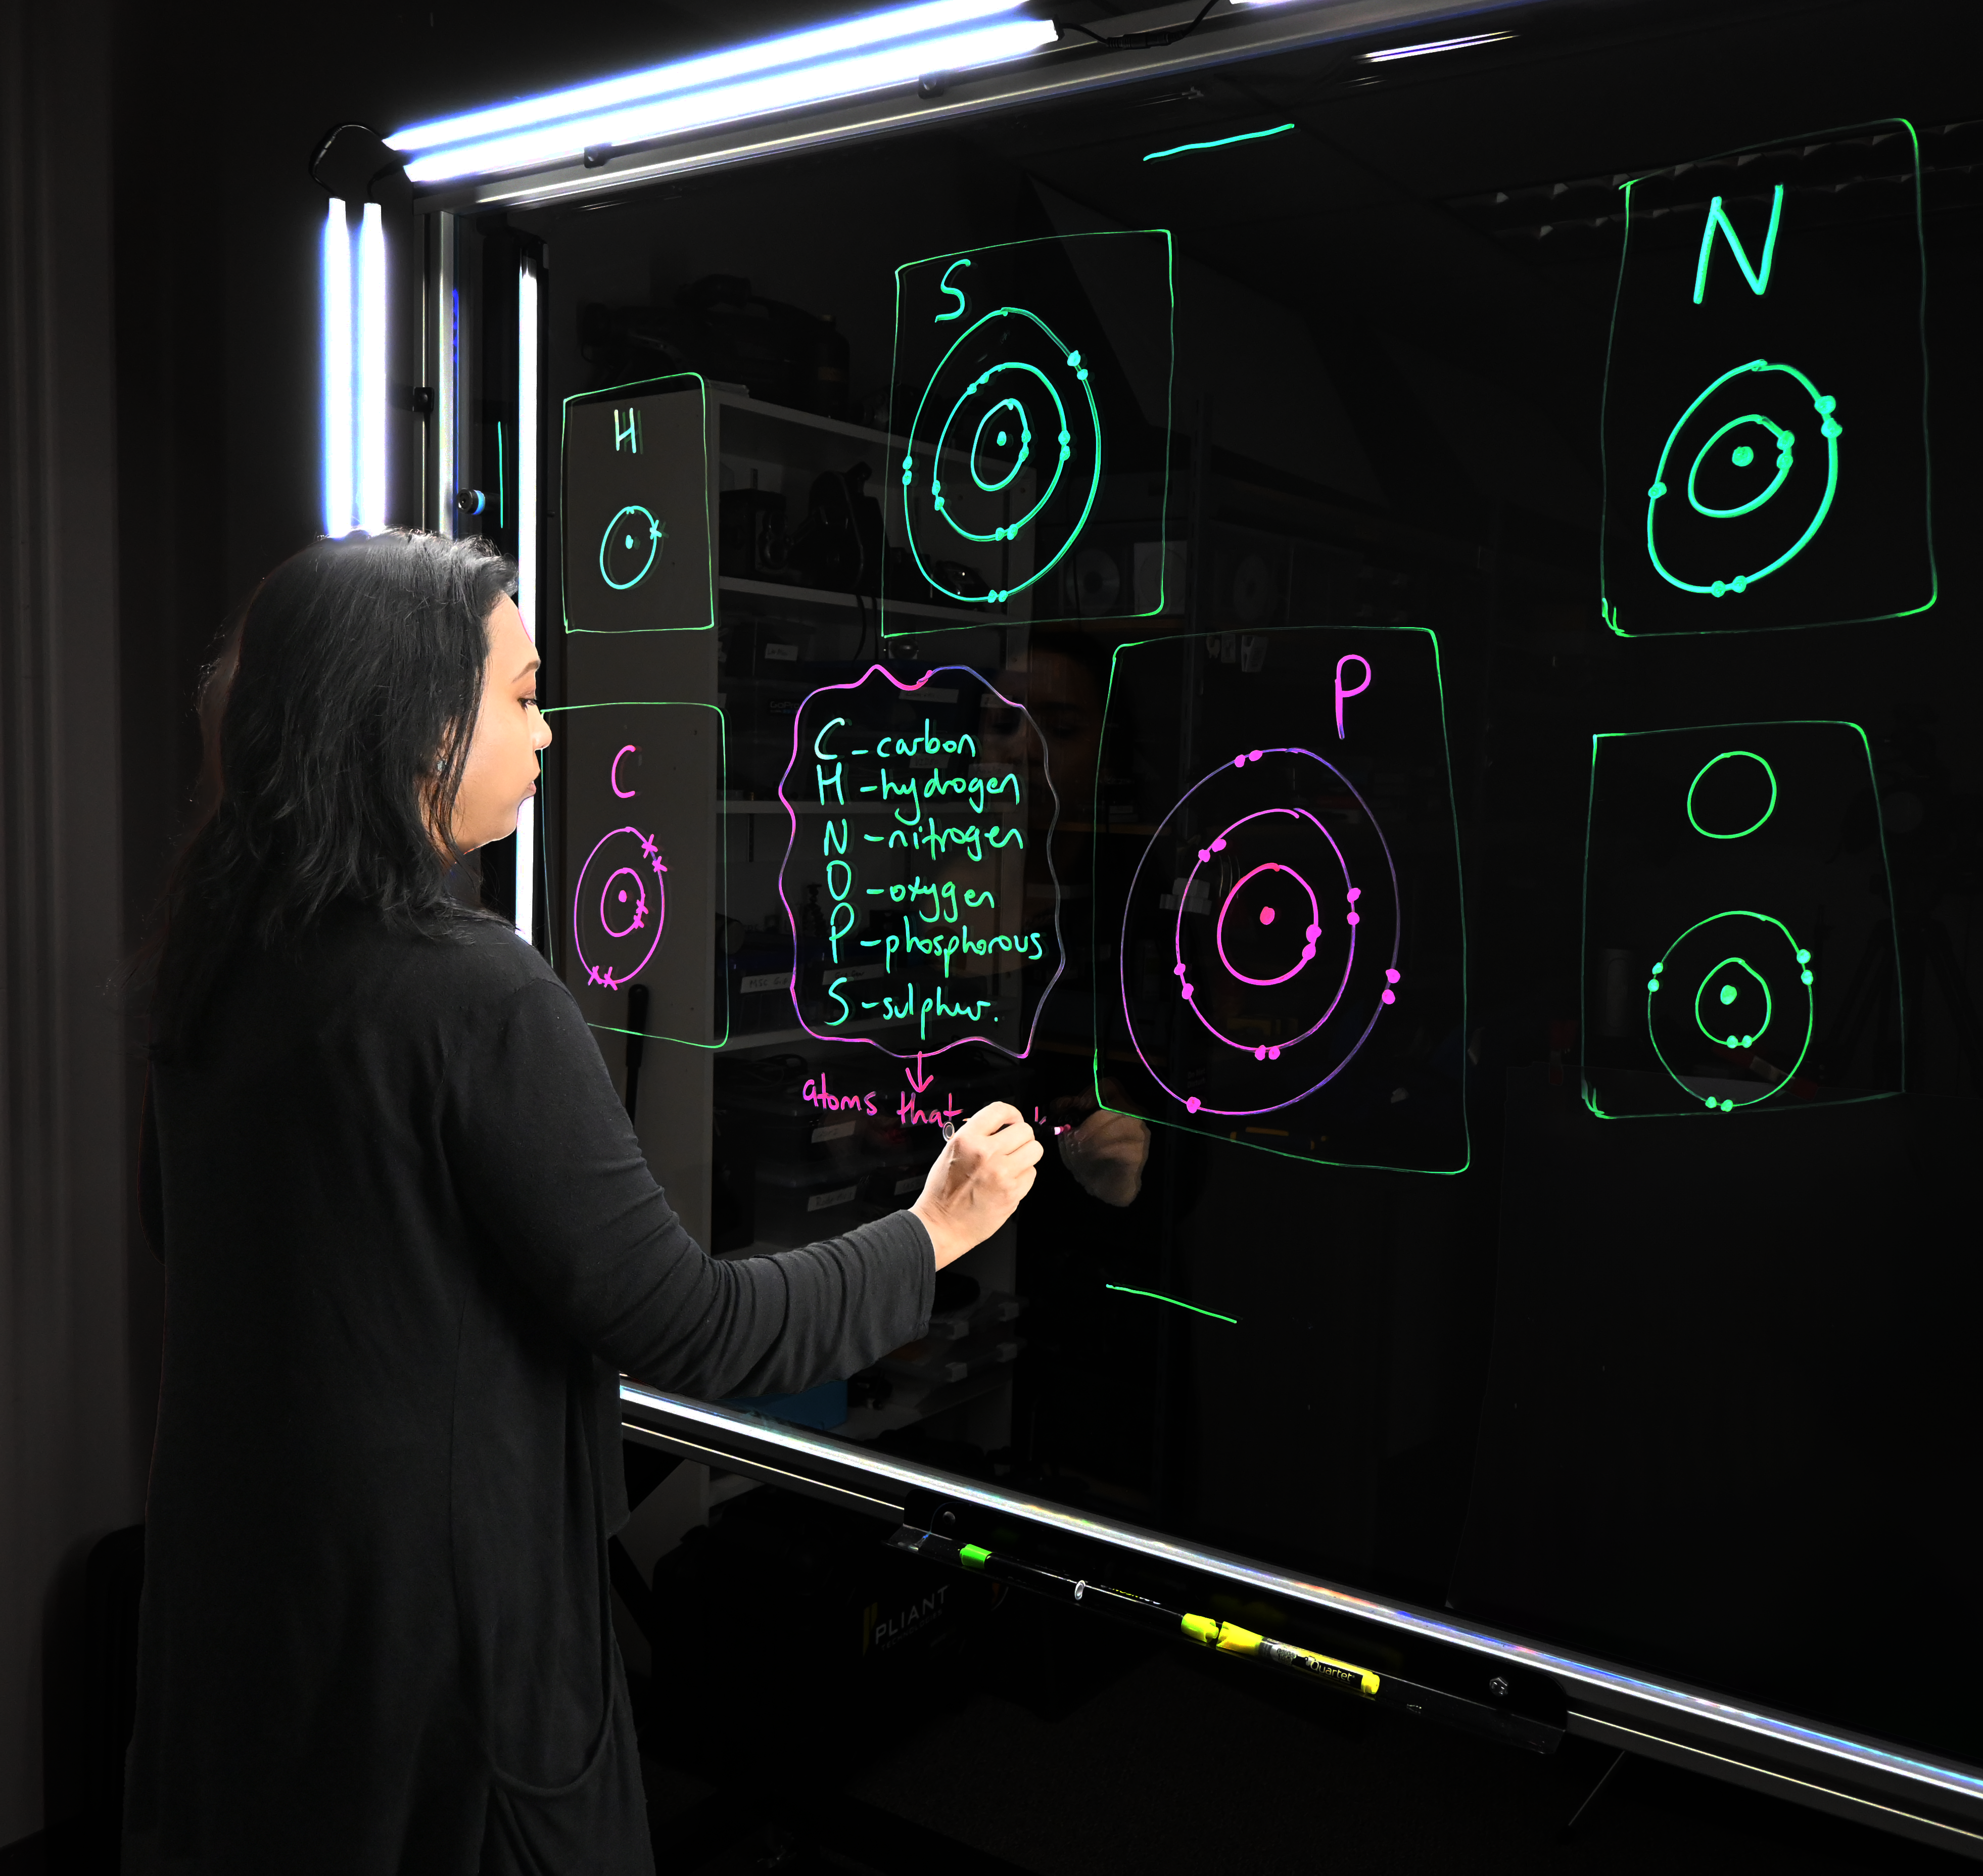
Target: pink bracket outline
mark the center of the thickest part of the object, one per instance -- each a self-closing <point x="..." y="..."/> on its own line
<point x="791" y="843"/>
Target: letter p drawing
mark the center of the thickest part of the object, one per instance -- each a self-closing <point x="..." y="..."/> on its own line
<point x="1342" y="696"/>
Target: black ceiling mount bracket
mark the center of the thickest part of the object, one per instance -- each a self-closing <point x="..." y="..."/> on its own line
<point x="350" y="160"/>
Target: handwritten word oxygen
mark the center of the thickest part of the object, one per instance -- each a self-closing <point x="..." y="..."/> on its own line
<point x="920" y="834"/>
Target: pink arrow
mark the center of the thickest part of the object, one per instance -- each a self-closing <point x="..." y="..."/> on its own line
<point x="918" y="1080"/>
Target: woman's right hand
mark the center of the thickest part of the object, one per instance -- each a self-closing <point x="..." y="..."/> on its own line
<point x="985" y="1169"/>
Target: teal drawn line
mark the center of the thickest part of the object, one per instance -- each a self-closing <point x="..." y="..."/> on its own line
<point x="500" y="522"/>
<point x="1251" y="136"/>
<point x="1757" y="277"/>
<point x="1156" y="1297"/>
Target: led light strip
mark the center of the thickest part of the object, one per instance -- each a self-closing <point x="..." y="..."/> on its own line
<point x="338" y="486"/>
<point x="354" y="354"/>
<point x="1431" y="45"/>
<point x="371" y="354"/>
<point x="776" y="75"/>
<point x="1258" y="1576"/>
<point x="684" y="75"/>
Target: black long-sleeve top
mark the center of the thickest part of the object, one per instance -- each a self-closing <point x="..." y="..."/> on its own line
<point x="409" y="1242"/>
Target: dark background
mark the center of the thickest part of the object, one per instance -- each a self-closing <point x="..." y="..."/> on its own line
<point x="165" y="152"/>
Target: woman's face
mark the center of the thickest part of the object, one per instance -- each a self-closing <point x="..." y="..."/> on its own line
<point x="501" y="772"/>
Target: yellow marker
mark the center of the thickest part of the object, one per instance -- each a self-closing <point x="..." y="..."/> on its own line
<point x="1230" y="1638"/>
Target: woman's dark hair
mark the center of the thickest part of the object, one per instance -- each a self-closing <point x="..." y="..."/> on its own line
<point x="336" y="719"/>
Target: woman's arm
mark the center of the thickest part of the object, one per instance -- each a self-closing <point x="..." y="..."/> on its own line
<point x="548" y="1165"/>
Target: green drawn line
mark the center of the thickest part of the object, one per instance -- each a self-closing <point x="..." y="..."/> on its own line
<point x="1218" y="143"/>
<point x="1156" y="1297"/>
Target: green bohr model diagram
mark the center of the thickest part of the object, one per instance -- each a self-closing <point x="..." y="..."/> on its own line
<point x="1733" y="1006"/>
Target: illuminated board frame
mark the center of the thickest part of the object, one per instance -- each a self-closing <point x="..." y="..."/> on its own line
<point x="1900" y="1778"/>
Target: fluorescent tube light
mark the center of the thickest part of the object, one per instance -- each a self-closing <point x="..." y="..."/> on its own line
<point x="1431" y="45"/>
<point x="526" y="558"/>
<point x="337" y="479"/>
<point x="641" y="122"/>
<point x="371" y="354"/>
<point x="684" y="74"/>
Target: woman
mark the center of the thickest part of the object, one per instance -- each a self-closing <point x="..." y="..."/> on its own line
<point x="409" y="1242"/>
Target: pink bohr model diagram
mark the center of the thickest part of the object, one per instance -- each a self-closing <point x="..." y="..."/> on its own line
<point x="620" y="903"/>
<point x="1279" y="984"/>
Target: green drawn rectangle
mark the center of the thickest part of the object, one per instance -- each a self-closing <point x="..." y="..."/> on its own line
<point x="1101" y="1019"/>
<point x="1589" y="1095"/>
<point x="560" y="911"/>
<point x="905" y="426"/>
<point x="677" y="486"/>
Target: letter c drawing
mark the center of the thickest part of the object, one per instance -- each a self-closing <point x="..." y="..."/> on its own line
<point x="625" y="794"/>
<point x="826" y="730"/>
